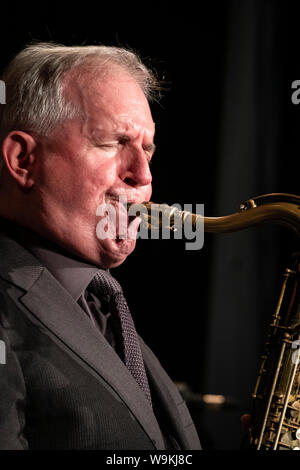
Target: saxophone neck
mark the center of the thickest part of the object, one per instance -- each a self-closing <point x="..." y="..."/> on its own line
<point x="274" y="208"/>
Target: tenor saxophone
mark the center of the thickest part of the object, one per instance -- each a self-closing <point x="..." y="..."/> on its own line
<point x="276" y="397"/>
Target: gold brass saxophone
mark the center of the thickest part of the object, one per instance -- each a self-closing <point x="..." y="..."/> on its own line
<point x="276" y="397"/>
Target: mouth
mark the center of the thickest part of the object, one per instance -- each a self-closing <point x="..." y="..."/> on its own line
<point x="120" y="225"/>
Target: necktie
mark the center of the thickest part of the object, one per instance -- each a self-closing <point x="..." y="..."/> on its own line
<point x="103" y="284"/>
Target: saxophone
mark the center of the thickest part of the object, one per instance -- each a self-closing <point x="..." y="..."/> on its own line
<point x="276" y="396"/>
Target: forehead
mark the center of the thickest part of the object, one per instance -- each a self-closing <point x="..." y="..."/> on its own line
<point x="114" y="102"/>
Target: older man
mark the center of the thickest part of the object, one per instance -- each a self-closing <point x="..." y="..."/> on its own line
<point x="76" y="134"/>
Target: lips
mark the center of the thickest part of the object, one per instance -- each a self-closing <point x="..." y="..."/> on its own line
<point x="120" y="225"/>
<point x="126" y="203"/>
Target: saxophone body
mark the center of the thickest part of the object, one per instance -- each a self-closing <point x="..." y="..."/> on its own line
<point x="276" y="396"/>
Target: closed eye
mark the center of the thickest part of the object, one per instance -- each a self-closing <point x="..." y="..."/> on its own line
<point x="150" y="148"/>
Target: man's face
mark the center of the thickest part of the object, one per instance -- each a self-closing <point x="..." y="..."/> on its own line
<point x="94" y="161"/>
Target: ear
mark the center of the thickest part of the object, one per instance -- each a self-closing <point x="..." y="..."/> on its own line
<point x="18" y="152"/>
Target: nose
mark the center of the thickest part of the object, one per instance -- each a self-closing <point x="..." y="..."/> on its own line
<point x="137" y="172"/>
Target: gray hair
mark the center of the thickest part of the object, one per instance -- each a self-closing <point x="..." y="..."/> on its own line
<point x="34" y="81"/>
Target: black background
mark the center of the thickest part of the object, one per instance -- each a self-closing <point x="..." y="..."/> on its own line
<point x="162" y="279"/>
<point x="168" y="287"/>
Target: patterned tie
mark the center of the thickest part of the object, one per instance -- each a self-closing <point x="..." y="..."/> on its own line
<point x="103" y="284"/>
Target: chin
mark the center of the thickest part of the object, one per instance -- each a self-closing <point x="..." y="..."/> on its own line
<point x="112" y="253"/>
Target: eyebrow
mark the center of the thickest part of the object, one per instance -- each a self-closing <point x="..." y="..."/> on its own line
<point x="150" y="147"/>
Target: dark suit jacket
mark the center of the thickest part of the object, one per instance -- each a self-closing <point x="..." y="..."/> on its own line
<point x="63" y="386"/>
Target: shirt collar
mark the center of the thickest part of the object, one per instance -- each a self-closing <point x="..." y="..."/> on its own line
<point x="72" y="272"/>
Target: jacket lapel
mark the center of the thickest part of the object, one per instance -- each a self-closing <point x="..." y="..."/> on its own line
<point x="54" y="307"/>
<point x="177" y="412"/>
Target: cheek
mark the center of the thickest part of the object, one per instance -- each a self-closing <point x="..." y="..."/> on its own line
<point x="96" y="180"/>
<point x="80" y="182"/>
